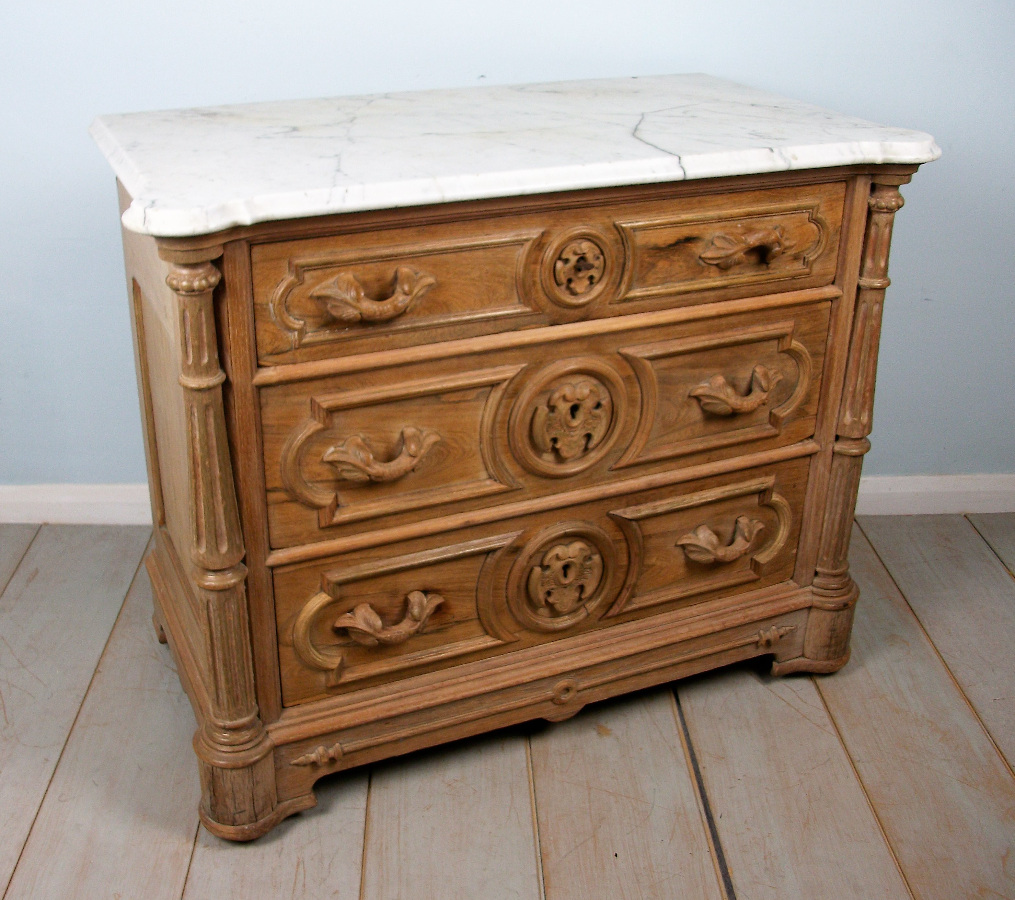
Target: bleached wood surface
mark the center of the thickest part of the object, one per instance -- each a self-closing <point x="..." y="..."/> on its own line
<point x="965" y="599"/>
<point x="839" y="786"/>
<point x="951" y="819"/>
<point x="56" y="614"/>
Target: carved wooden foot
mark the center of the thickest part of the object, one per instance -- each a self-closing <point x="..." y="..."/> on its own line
<point x="826" y="639"/>
<point x="812" y="666"/>
<point x="239" y="802"/>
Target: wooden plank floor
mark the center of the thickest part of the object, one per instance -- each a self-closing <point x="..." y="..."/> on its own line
<point x="891" y="778"/>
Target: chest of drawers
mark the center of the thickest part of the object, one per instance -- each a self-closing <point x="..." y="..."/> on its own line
<point x="450" y="425"/>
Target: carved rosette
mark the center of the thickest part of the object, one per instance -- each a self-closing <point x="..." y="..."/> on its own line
<point x="567" y="575"/>
<point x="567" y="417"/>
<point x="580" y="268"/>
<point x="562" y="576"/>
<point x="574" y="420"/>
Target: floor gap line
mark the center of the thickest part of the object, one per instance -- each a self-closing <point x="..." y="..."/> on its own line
<point x="77" y="715"/>
<point x="718" y="856"/>
<point x="990" y="546"/>
<point x="535" y="818"/>
<point x="863" y="787"/>
<point x="21" y="559"/>
<point x="366" y="833"/>
<point x="190" y="860"/>
<point x="937" y="653"/>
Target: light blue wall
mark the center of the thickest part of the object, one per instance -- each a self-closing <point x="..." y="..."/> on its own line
<point x="68" y="410"/>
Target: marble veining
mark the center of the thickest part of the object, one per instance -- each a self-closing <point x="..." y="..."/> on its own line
<point x="197" y="171"/>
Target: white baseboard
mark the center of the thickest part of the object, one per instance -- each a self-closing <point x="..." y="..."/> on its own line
<point x="880" y="495"/>
<point x="906" y="495"/>
<point x="80" y="504"/>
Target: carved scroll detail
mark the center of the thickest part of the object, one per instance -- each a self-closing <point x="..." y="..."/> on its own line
<point x="704" y="546"/>
<point x="366" y="628"/>
<point x="567" y="576"/>
<point x="718" y="397"/>
<point x="314" y="439"/>
<point x="347" y="301"/>
<point x="769" y="637"/>
<point x="320" y="756"/>
<point x="355" y="461"/>
<point x="728" y="249"/>
<point x="574" y="420"/>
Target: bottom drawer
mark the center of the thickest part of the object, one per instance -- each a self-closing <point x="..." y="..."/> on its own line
<point x="389" y="612"/>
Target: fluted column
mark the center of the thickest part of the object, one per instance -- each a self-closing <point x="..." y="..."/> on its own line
<point x="826" y="643"/>
<point x="236" y="764"/>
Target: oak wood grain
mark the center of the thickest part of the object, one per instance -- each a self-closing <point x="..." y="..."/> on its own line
<point x="317" y="854"/>
<point x="792" y="818"/>
<point x="965" y="599"/>
<point x="55" y="617"/>
<point x="998" y="530"/>
<point x="119" y="816"/>
<point x="482" y="574"/>
<point x="474" y="417"/>
<point x="616" y="805"/>
<point x="943" y="794"/>
<point x="455" y="824"/>
<point x="506" y="272"/>
<point x="588" y="376"/>
<point x="14" y="543"/>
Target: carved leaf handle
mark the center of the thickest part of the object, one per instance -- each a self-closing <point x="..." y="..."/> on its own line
<point x="366" y="628"/>
<point x="718" y="397"/>
<point x="726" y="250"/>
<point x="355" y="461"/>
<point x="703" y="545"/>
<point x="347" y="300"/>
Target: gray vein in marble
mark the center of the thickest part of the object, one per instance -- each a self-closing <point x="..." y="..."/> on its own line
<point x="203" y="170"/>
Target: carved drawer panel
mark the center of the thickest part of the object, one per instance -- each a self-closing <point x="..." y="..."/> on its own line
<point x="394" y="611"/>
<point x="395" y="286"/>
<point x="386" y="447"/>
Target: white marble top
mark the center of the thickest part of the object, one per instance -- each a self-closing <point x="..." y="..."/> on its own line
<point x="196" y="171"/>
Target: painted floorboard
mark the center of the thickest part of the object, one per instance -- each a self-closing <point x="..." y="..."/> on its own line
<point x="55" y="618"/>
<point x="942" y="792"/>
<point x="965" y="599"/>
<point x="120" y="816"/>
<point x="317" y="854"/>
<point x="792" y="817"/>
<point x="617" y="808"/>
<point x="455" y="823"/>
<point x="998" y="530"/>
<point x="14" y="542"/>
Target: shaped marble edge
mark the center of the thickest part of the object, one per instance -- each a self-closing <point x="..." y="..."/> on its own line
<point x="199" y="171"/>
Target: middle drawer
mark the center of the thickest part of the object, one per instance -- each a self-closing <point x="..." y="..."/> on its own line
<point x="384" y="446"/>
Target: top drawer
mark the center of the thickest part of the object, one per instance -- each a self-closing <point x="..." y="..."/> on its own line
<point x="368" y="287"/>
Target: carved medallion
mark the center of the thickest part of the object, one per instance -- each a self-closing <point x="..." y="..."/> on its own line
<point x="574" y="419"/>
<point x="566" y="418"/>
<point x="562" y="576"/>
<point x="567" y="576"/>
<point x="579" y="267"/>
